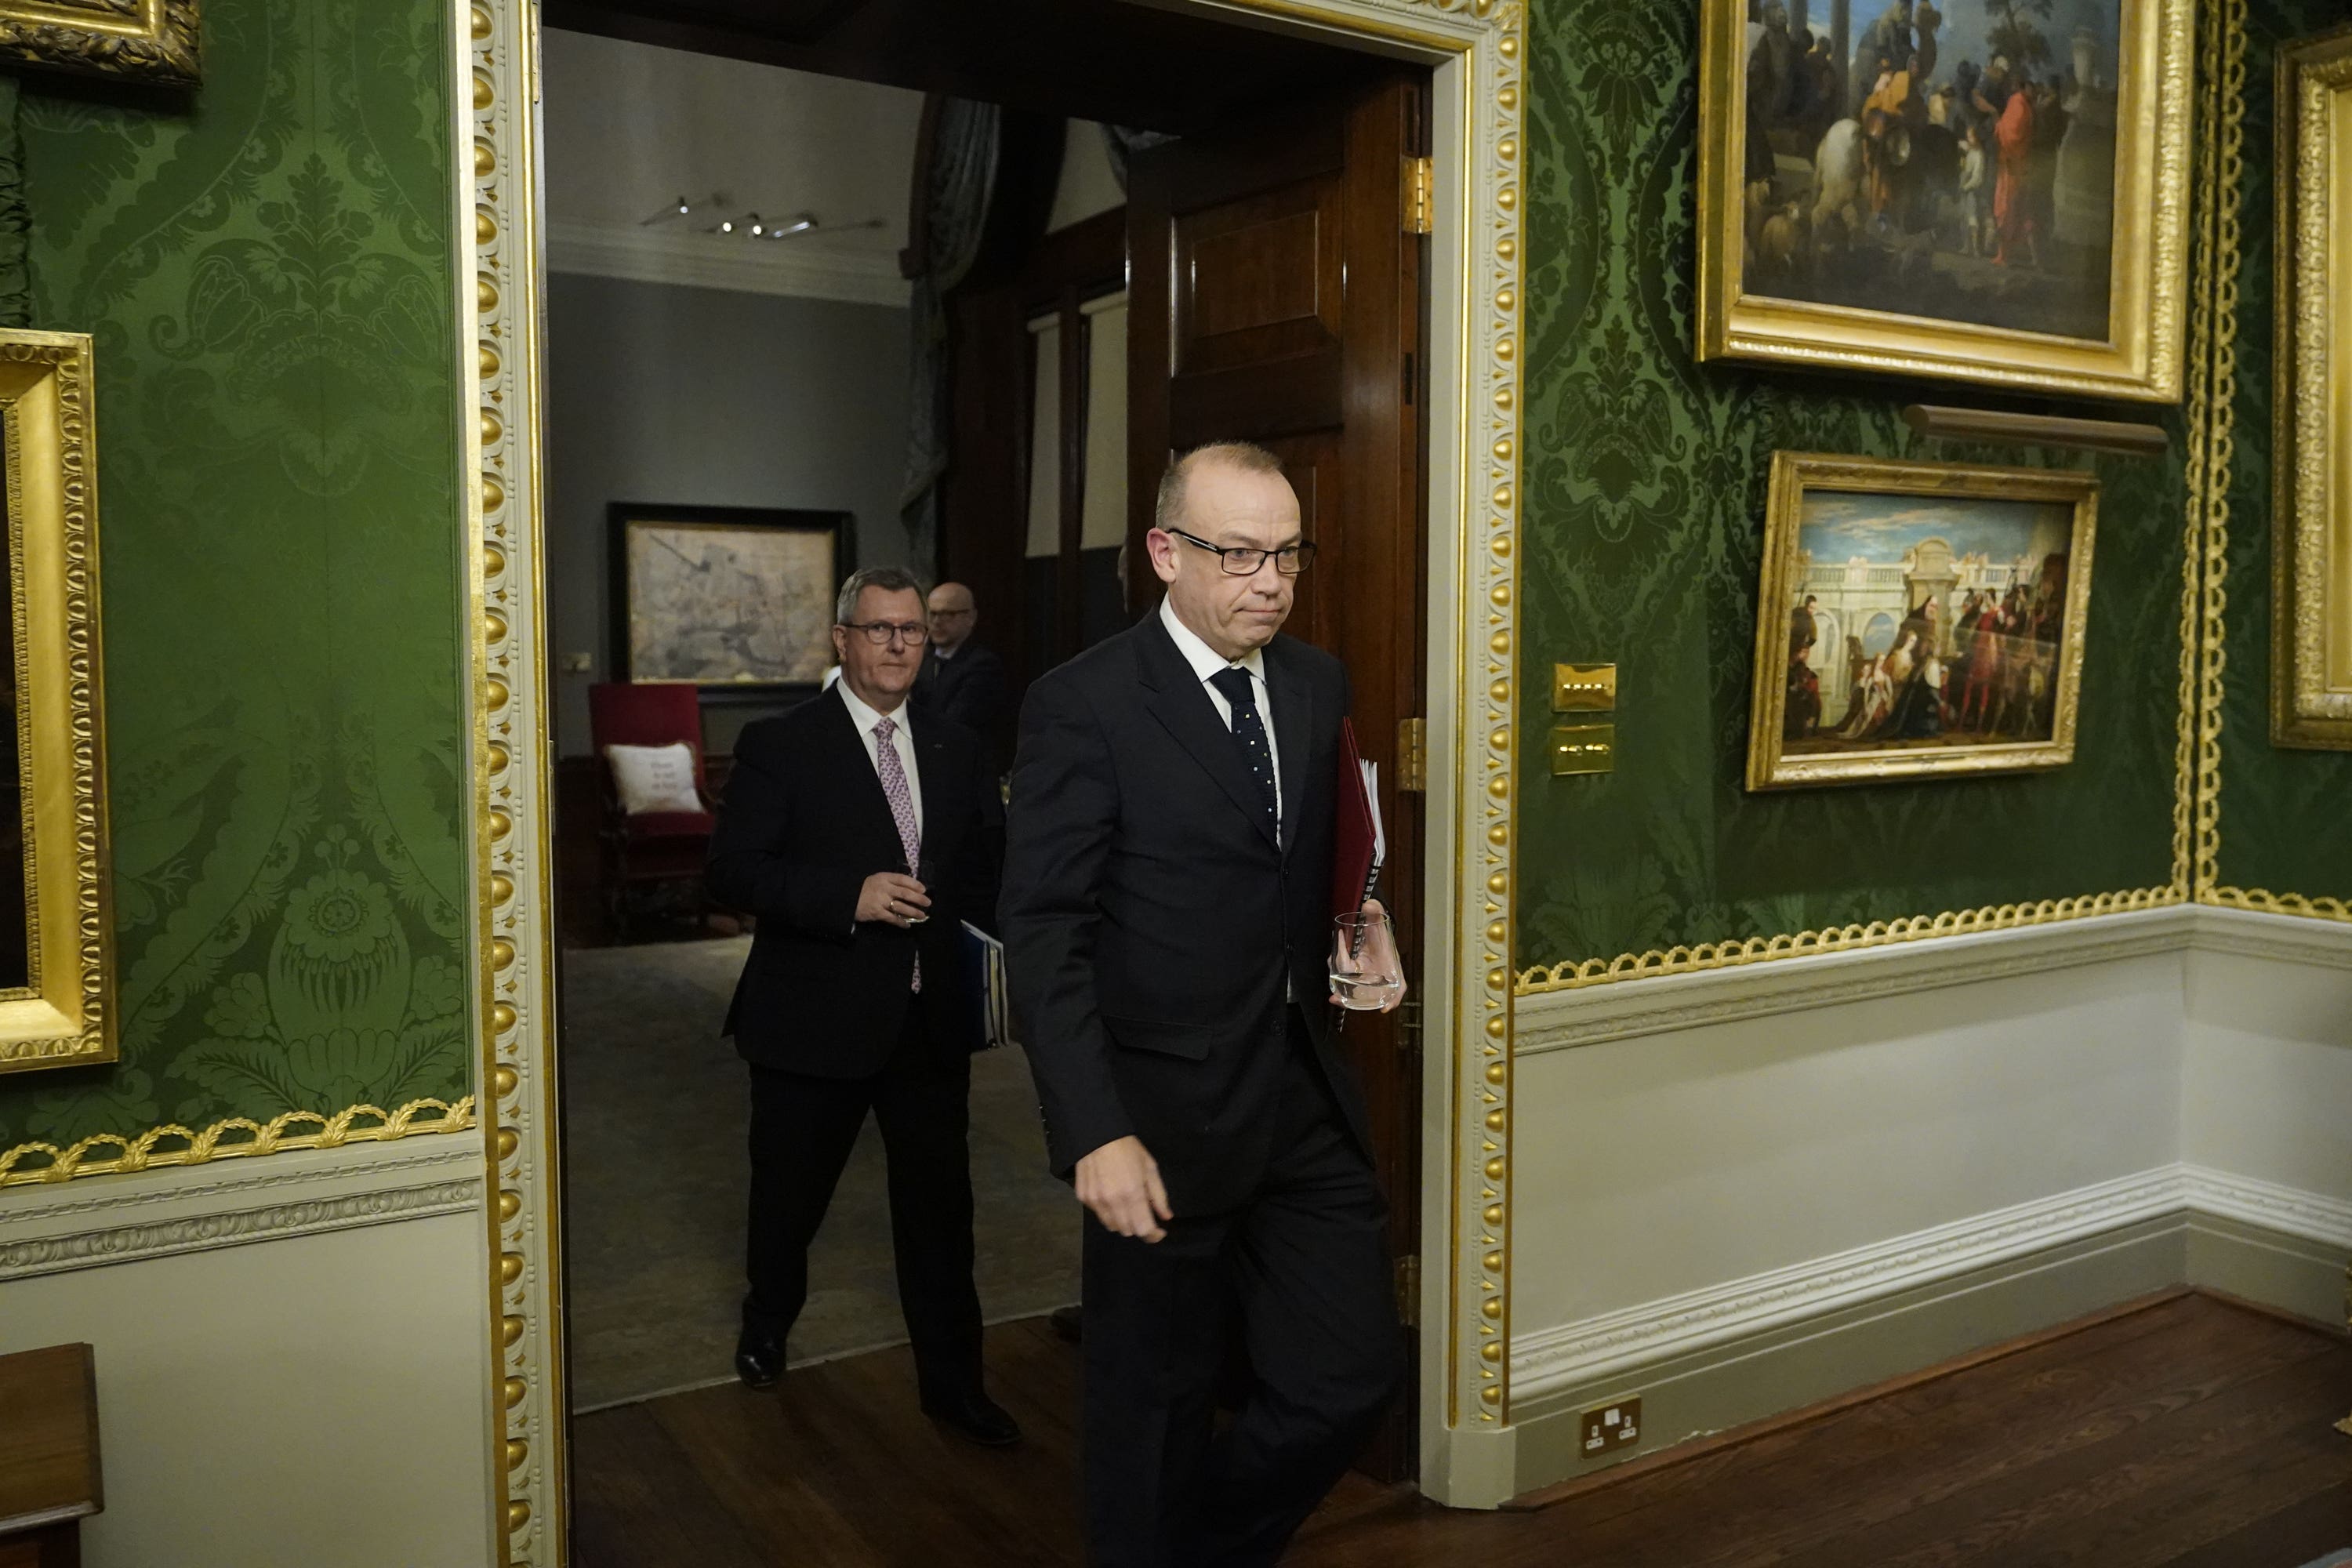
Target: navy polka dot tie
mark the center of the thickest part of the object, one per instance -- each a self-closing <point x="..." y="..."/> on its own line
<point x="1250" y="731"/>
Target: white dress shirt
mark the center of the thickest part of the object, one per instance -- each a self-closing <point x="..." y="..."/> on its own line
<point x="1207" y="661"/>
<point x="902" y="742"/>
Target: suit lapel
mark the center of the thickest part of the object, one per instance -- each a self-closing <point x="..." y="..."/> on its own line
<point x="1178" y="701"/>
<point x="866" y="784"/>
<point x="1294" y="722"/>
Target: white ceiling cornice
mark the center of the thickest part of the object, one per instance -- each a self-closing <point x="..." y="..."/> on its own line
<point x="706" y="261"/>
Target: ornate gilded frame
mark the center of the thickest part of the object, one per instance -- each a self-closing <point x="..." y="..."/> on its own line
<point x="1476" y="50"/>
<point x="2311" y="559"/>
<point x="157" y="41"/>
<point x="1795" y="475"/>
<point x="66" y="1018"/>
<point x="2140" y="358"/>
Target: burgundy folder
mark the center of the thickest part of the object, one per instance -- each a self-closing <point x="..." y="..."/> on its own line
<point x="1355" y="861"/>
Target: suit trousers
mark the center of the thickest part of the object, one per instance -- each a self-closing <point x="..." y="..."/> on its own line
<point x="1301" y="1271"/>
<point x="803" y="1129"/>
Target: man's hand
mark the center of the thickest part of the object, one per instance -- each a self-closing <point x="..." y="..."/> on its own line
<point x="1121" y="1183"/>
<point x="892" y="898"/>
<point x="1378" y="955"/>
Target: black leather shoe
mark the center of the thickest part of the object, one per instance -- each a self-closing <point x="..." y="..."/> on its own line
<point x="1070" y="1322"/>
<point x="759" y="1357"/>
<point x="976" y="1418"/>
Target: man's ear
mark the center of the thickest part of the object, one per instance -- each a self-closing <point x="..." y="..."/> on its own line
<point x="1162" y="546"/>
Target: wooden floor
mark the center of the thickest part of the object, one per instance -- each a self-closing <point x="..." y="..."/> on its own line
<point x="2194" y="1433"/>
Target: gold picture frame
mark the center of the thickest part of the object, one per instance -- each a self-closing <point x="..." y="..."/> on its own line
<point x="1783" y="256"/>
<point x="155" y="41"/>
<point x="58" y="1009"/>
<point x="1937" y="632"/>
<point x="2311" y="600"/>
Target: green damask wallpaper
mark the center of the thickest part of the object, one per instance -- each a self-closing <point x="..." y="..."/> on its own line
<point x="1643" y="503"/>
<point x="2279" y="808"/>
<point x="268" y="269"/>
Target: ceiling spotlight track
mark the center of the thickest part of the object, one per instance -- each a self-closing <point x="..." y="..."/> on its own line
<point x="714" y="217"/>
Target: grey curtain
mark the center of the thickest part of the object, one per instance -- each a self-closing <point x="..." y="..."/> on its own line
<point x="1123" y="142"/>
<point x="967" y="143"/>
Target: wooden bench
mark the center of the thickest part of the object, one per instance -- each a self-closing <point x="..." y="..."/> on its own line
<point x="50" y="1478"/>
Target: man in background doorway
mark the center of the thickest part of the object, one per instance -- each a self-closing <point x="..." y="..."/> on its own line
<point x="1167" y="916"/>
<point x="861" y="835"/>
<point x="960" y="677"/>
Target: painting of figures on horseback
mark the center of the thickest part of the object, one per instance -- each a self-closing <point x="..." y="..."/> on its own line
<point x="1988" y="189"/>
<point x="1918" y="619"/>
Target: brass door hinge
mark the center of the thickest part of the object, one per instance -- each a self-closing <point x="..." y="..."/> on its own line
<point x="1408" y="1290"/>
<point x="1413" y="760"/>
<point x="1420" y="195"/>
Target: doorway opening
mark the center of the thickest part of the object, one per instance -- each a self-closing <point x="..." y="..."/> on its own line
<point x="1194" y="232"/>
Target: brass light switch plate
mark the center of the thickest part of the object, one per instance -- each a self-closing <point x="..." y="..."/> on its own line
<point x="1583" y="687"/>
<point x="1583" y="749"/>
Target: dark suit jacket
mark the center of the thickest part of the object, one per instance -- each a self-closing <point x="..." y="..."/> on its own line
<point x="1150" y="921"/>
<point x="970" y="689"/>
<point x="804" y="824"/>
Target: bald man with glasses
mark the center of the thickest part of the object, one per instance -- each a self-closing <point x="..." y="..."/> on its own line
<point x="1166" y="913"/>
<point x="860" y="834"/>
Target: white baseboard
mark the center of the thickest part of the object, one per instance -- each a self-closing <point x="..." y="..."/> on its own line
<point x="1617" y="1345"/>
<point x="104" y="1220"/>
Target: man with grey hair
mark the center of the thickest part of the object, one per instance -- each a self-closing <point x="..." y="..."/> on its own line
<point x="860" y="834"/>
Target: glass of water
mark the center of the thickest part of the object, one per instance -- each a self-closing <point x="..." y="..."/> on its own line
<point x="1366" y="974"/>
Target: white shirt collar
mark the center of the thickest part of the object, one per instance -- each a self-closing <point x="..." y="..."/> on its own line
<point x="1205" y="660"/>
<point x="863" y="716"/>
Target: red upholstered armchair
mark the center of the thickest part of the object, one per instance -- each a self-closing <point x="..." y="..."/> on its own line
<point x="655" y="847"/>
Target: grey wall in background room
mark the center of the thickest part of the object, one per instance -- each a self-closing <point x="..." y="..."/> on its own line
<point x="694" y="397"/>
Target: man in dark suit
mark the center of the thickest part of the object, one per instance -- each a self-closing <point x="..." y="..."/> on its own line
<point x="1167" y="916"/>
<point x="860" y="834"/>
<point x="963" y="679"/>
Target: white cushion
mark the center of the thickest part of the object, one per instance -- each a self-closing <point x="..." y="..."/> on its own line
<point x="654" y="778"/>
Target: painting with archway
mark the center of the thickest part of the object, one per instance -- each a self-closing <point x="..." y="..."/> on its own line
<point x="1918" y="619"/>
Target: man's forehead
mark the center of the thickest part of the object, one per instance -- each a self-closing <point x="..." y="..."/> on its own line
<point x="1222" y="500"/>
<point x="872" y="600"/>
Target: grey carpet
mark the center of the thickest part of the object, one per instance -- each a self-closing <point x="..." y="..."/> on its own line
<point x="655" y="1117"/>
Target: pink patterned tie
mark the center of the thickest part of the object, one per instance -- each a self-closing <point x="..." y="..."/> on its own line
<point x="902" y="807"/>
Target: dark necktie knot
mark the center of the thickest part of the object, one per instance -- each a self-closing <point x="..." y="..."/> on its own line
<point x="1233" y="685"/>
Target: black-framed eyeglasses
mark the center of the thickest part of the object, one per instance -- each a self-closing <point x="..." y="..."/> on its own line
<point x="914" y="634"/>
<point x="1290" y="560"/>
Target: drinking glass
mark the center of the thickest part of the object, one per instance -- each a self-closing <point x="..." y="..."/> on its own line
<point x="1366" y="974"/>
<point x="925" y="871"/>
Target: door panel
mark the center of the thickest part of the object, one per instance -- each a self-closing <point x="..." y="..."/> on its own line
<point x="1276" y="298"/>
<point x="1258" y="280"/>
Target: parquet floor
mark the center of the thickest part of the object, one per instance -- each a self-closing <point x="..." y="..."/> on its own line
<point x="2192" y="1434"/>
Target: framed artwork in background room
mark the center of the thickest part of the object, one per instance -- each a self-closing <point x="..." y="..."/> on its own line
<point x="735" y="600"/>
<point x="1988" y="191"/>
<point x="1918" y="620"/>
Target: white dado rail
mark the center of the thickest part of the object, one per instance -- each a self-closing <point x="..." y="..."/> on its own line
<point x="1559" y="1020"/>
<point x="102" y="1220"/>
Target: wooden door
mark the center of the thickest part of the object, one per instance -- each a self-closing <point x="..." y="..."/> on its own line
<point x="1275" y="297"/>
